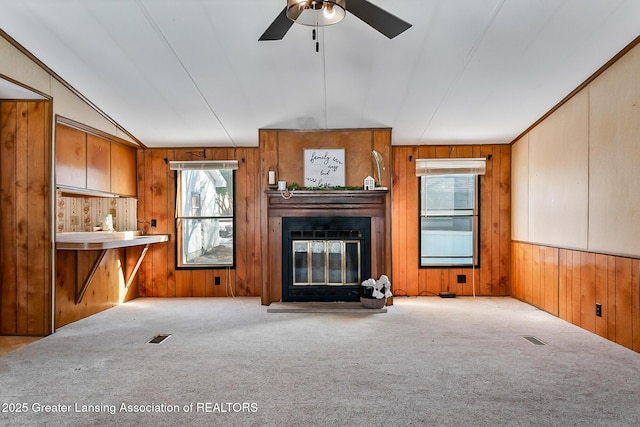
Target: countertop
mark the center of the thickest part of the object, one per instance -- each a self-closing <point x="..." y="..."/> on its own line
<point x="99" y="240"/>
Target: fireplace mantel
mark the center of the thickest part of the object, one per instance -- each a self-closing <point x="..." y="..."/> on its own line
<point x="317" y="203"/>
<point x="370" y="203"/>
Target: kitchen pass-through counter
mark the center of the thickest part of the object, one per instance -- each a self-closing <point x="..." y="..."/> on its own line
<point x="98" y="240"/>
<point x="102" y="241"/>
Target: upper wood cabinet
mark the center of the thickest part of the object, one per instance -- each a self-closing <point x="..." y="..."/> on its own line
<point x="124" y="172"/>
<point x="71" y="157"/>
<point x="88" y="161"/>
<point x="98" y="163"/>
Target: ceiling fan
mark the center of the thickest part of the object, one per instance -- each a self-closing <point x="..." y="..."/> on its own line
<point x="320" y="13"/>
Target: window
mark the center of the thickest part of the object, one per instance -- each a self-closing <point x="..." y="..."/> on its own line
<point x="449" y="211"/>
<point x="205" y="214"/>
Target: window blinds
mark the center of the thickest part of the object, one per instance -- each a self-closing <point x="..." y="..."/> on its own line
<point x="474" y="166"/>
<point x="203" y="164"/>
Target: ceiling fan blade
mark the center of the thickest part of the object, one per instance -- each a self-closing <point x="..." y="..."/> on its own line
<point x="278" y="27"/>
<point x="383" y="21"/>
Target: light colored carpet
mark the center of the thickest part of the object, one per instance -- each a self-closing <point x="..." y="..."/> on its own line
<point x="427" y="361"/>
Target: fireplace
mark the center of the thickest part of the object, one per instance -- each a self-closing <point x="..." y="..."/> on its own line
<point x="325" y="258"/>
<point x="320" y="245"/>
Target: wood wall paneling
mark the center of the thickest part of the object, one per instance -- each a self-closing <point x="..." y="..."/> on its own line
<point x="25" y="157"/>
<point x="635" y="304"/>
<point x="158" y="275"/>
<point x="493" y="277"/>
<point x="503" y="235"/>
<point x="9" y="283"/>
<point x="161" y="182"/>
<point x="576" y="288"/>
<point x="37" y="198"/>
<point x="527" y="289"/>
<point x="550" y="280"/>
<point x="568" y="283"/>
<point x="268" y="162"/>
<point x="602" y="293"/>
<point x="20" y="197"/>
<point x="610" y="312"/>
<point x="382" y="144"/>
<point x="588" y="291"/>
<point x="405" y="271"/>
<point x="624" y="304"/>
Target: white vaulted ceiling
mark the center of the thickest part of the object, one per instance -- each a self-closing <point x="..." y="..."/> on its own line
<point x="193" y="73"/>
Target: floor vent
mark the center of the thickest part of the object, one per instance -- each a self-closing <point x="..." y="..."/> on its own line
<point x="533" y="340"/>
<point x="158" y="339"/>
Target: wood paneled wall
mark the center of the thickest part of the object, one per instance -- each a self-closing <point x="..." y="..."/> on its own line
<point x="493" y="276"/>
<point x="25" y="221"/>
<point x="106" y="289"/>
<point x="158" y="276"/>
<point x="568" y="283"/>
<point x="534" y="276"/>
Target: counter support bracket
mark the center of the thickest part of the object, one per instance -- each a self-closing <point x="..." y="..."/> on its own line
<point x="137" y="266"/>
<point x="94" y="268"/>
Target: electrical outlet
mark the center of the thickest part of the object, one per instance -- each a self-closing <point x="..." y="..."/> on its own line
<point x="75" y="220"/>
<point x="598" y="309"/>
<point x="216" y="280"/>
<point x="462" y="278"/>
<point x="154" y="222"/>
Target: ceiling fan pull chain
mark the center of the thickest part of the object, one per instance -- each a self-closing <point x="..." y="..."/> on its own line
<point x="314" y="35"/>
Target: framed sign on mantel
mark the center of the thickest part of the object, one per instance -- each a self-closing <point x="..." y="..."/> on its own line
<point x="324" y="167"/>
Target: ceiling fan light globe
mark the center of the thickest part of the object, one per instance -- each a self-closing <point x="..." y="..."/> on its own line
<point x="329" y="11"/>
<point x="316" y="13"/>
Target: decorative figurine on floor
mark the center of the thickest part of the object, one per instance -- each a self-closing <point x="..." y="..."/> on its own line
<point x="374" y="293"/>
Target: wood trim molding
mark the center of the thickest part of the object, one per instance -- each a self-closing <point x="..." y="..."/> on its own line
<point x="45" y="96"/>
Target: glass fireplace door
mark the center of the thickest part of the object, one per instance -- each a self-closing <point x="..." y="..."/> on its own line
<point x="326" y="262"/>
